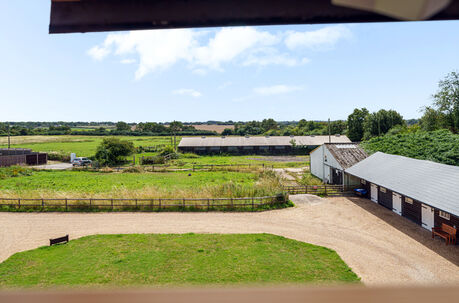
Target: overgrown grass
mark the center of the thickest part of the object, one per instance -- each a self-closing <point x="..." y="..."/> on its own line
<point x="175" y="260"/>
<point x="14" y="171"/>
<point x="81" y="184"/>
<point x="309" y="179"/>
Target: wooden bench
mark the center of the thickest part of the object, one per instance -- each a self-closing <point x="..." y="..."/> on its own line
<point x="63" y="239"/>
<point x="446" y="232"/>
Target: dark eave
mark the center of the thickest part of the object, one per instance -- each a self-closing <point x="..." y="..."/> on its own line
<point x="70" y="16"/>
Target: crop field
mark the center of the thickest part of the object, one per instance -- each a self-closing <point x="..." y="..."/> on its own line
<point x="175" y="260"/>
<point x="85" y="184"/>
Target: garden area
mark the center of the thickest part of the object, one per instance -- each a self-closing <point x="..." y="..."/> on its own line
<point x="175" y="260"/>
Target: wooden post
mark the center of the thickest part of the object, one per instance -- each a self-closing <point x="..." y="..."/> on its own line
<point x="42" y="203"/>
<point x="136" y="203"/>
<point x="208" y="204"/>
<point x="133" y="160"/>
<point x="325" y="189"/>
<point x="183" y="202"/>
<point x="112" y="203"/>
<point x="232" y="202"/>
<point x="90" y="202"/>
<point x="66" y="204"/>
<point x="159" y="204"/>
<point x="19" y="203"/>
<point x="252" y="204"/>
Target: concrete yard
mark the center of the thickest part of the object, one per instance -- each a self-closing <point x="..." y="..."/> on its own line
<point x="380" y="246"/>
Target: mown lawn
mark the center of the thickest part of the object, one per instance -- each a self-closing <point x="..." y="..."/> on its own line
<point x="175" y="260"/>
<point x="113" y="184"/>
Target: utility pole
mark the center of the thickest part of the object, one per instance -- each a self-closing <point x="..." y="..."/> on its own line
<point x="329" y="131"/>
<point x="9" y="136"/>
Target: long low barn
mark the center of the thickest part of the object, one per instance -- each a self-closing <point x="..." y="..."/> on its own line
<point x="255" y="144"/>
<point x="423" y="191"/>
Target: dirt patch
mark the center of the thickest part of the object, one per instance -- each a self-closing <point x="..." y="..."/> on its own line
<point x="380" y="246"/>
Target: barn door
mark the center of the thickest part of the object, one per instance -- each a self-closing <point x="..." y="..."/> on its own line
<point x="397" y="203"/>
<point x="427" y="216"/>
<point x="374" y="193"/>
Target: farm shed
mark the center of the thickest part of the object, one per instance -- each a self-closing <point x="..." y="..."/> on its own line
<point x="256" y="144"/>
<point x="329" y="161"/>
<point x="18" y="156"/>
<point x="423" y="191"/>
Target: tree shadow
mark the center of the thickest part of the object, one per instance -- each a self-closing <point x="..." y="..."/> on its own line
<point x="409" y="228"/>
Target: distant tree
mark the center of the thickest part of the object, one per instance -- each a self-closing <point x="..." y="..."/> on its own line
<point x="432" y="119"/>
<point x="175" y="126"/>
<point x="446" y="101"/>
<point x="122" y="126"/>
<point x="338" y="127"/>
<point x="380" y="122"/>
<point x="268" y="124"/>
<point x="112" y="151"/>
<point x="227" y="132"/>
<point x="355" y="123"/>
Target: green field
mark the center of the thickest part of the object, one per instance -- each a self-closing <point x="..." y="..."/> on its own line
<point x="85" y="146"/>
<point x="82" y="184"/>
<point x="175" y="260"/>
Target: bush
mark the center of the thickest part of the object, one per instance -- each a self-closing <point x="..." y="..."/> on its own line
<point x="167" y="150"/>
<point x="133" y="169"/>
<point x="112" y="151"/>
<point x="153" y="160"/>
<point x="53" y="156"/>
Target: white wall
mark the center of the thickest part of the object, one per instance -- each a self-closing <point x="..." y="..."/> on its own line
<point x="320" y="167"/>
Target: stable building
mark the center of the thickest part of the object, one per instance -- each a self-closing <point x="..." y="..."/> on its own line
<point x="255" y="144"/>
<point x="424" y="192"/>
<point x="329" y="161"/>
<point x="21" y="156"/>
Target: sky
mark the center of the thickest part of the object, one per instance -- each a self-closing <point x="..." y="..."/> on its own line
<point x="312" y="72"/>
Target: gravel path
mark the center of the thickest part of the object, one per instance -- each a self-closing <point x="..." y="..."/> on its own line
<point x="364" y="234"/>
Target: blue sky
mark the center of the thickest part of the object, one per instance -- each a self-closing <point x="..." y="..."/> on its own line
<point x="245" y="73"/>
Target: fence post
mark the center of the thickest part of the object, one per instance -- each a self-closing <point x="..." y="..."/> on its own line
<point x="135" y="203"/>
<point x="152" y="201"/>
<point x="66" y="204"/>
<point x="19" y="203"/>
<point x="231" y="202"/>
<point x="112" y="203"/>
<point x="159" y="204"/>
<point x="42" y="203"/>
<point x="90" y="202"/>
<point x="325" y="189"/>
<point x="208" y="204"/>
<point x="183" y="202"/>
<point x="252" y="203"/>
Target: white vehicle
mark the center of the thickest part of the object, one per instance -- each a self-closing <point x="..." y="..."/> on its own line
<point x="81" y="161"/>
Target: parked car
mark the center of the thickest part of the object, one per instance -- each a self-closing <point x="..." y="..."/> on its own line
<point x="81" y="161"/>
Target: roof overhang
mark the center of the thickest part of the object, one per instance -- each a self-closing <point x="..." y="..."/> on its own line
<point x="70" y="16"/>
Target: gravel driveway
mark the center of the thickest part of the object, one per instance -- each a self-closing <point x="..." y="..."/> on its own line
<point x="364" y="234"/>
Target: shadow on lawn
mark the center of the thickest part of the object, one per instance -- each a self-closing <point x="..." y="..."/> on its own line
<point x="409" y="228"/>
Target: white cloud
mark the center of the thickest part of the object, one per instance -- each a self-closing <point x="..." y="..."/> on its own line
<point x="324" y="38"/>
<point x="187" y="92"/>
<point x="225" y="85"/>
<point x="206" y="50"/>
<point x="276" y="89"/>
<point x="127" y="61"/>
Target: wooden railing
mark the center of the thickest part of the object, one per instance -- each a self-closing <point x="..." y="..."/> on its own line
<point x="88" y="204"/>
<point x="323" y="189"/>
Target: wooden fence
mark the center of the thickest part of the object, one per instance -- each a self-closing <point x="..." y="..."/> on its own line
<point x="174" y="168"/>
<point x="323" y="189"/>
<point x="87" y="204"/>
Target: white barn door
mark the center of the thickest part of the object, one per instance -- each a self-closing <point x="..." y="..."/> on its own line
<point x="397" y="203"/>
<point x="374" y="193"/>
<point x="427" y="216"/>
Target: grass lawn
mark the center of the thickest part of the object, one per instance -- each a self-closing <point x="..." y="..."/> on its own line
<point x="76" y="184"/>
<point x="189" y="259"/>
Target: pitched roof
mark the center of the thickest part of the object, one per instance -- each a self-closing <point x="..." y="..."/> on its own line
<point x="429" y="182"/>
<point x="261" y="141"/>
<point x="346" y="154"/>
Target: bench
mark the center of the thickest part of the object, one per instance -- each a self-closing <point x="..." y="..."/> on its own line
<point x="63" y="239"/>
<point x="446" y="232"/>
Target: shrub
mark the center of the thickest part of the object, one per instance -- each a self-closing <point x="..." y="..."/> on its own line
<point x="113" y="150"/>
<point x="14" y="171"/>
<point x="153" y="160"/>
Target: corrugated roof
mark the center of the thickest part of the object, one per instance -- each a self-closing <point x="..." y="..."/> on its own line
<point x="346" y="154"/>
<point x="429" y="182"/>
<point x="261" y="141"/>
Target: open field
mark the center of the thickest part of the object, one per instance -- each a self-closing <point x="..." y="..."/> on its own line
<point x="85" y="146"/>
<point x="214" y="128"/>
<point x="83" y="184"/>
<point x="378" y="245"/>
<point x="170" y="259"/>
